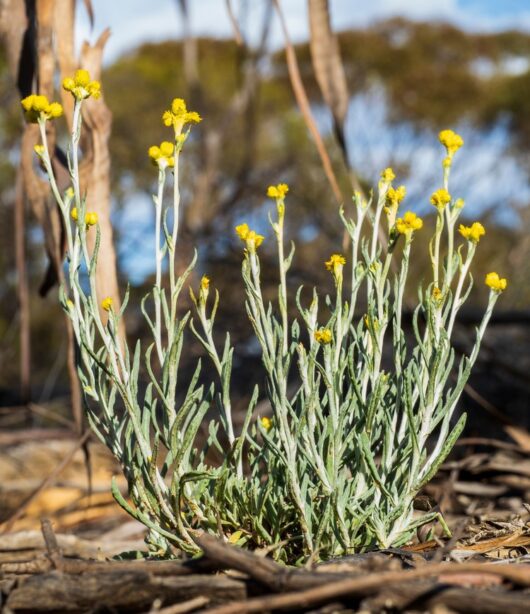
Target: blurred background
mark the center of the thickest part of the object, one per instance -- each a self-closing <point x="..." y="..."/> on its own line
<point x="381" y="79"/>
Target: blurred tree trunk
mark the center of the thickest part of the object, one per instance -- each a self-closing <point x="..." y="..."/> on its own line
<point x="39" y="36"/>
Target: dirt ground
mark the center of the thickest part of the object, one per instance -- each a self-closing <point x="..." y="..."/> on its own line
<point x="67" y="563"/>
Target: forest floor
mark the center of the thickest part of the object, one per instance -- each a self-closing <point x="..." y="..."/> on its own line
<point x="59" y="543"/>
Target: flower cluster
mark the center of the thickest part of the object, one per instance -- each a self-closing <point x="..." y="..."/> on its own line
<point x="472" y="233"/>
<point x="323" y="336"/>
<point x="162" y="155"/>
<point x="37" y="107"/>
<point x="81" y="86"/>
<point x="393" y="198"/>
<point x="252" y="239"/>
<point x="496" y="283"/>
<point x="179" y="115"/>
<point x="407" y="224"/>
<point x="388" y="175"/>
<point x="277" y="191"/>
<point x="440" y="198"/>
<point x="451" y="141"/>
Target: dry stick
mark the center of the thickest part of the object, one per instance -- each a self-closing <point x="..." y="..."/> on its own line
<point x="305" y="108"/>
<point x="369" y="585"/>
<point x="54" y="553"/>
<point x="45" y="483"/>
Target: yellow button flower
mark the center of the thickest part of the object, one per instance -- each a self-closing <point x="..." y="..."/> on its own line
<point x="81" y="86"/>
<point x="179" y="115"/>
<point x="252" y="239"/>
<point x="39" y="150"/>
<point x="440" y="198"/>
<point x="37" y="107"/>
<point x="73" y="213"/>
<point x="323" y="336"/>
<point x="451" y="141"/>
<point x="472" y="233"/>
<point x="277" y="191"/>
<point x="388" y="175"/>
<point x="91" y="218"/>
<point x="205" y="282"/>
<point x="106" y="303"/>
<point x="266" y="423"/>
<point x="335" y="264"/>
<point x="496" y="283"/>
<point x="162" y="155"/>
<point x="407" y="224"/>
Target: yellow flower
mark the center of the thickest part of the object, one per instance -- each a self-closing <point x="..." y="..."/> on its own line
<point x="371" y="323"/>
<point x="407" y="224"/>
<point x="472" y="233"/>
<point x="393" y="198"/>
<point x="91" y="218"/>
<point x="81" y="86"/>
<point x="37" y="107"/>
<point x="205" y="282"/>
<point x="451" y="141"/>
<point x="39" y="150"/>
<point x="70" y="304"/>
<point x="162" y="155"/>
<point x="440" y="198"/>
<point x="179" y="115"/>
<point x="266" y="423"/>
<point x="69" y="192"/>
<point x="277" y="191"/>
<point x="335" y="264"/>
<point x="496" y="283"/>
<point x="242" y="231"/>
<point x="252" y="239"/>
<point x="73" y="213"/>
<point x="106" y="303"/>
<point x="323" y="336"/>
<point x="388" y="175"/>
<point x="395" y="195"/>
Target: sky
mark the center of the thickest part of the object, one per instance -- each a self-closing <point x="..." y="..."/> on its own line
<point x="136" y="21"/>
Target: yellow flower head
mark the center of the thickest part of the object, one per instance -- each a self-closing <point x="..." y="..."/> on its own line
<point x="81" y="86"/>
<point x="73" y="213"/>
<point x="277" y="191"/>
<point x="451" y="141"/>
<point x="266" y="423"/>
<point x="335" y="264"/>
<point x="394" y="196"/>
<point x="39" y="150"/>
<point x="38" y="107"/>
<point x="106" y="303"/>
<point x="496" y="283"/>
<point x="242" y="231"/>
<point x="407" y="224"/>
<point x="388" y="175"/>
<point x="472" y="233"/>
<point x="440" y="198"/>
<point x="91" y="218"/>
<point x="179" y="115"/>
<point x="205" y="282"/>
<point x="437" y="294"/>
<point x="162" y="155"/>
<point x="252" y="239"/>
<point x="323" y="336"/>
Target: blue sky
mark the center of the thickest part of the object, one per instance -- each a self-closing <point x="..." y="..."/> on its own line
<point x="135" y="21"/>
